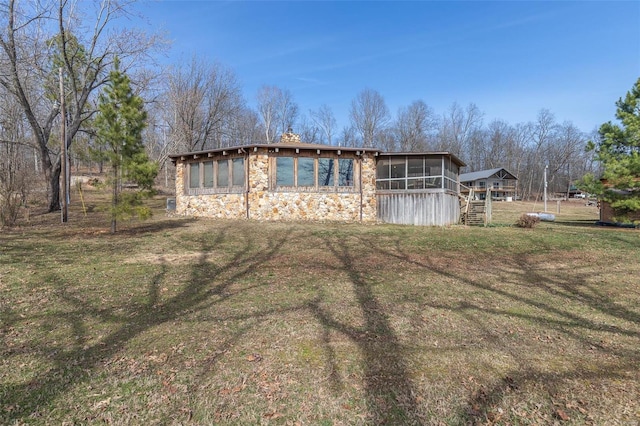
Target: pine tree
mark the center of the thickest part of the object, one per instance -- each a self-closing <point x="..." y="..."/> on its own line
<point x="618" y="149"/>
<point x="120" y="122"/>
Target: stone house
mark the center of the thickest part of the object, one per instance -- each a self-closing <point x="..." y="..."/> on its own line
<point x="292" y="180"/>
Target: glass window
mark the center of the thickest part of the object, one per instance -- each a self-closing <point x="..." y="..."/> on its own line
<point x="345" y="172"/>
<point x="415" y="183"/>
<point x="223" y="173"/>
<point x="207" y="174"/>
<point x="382" y="184"/>
<point x="434" y="182"/>
<point x="284" y="171"/>
<point x="382" y="169"/>
<point x="397" y="184"/>
<point x="433" y="167"/>
<point x="397" y="168"/>
<point x="452" y="170"/>
<point x="238" y="171"/>
<point x="451" y="185"/>
<point x="416" y="167"/>
<point x="306" y="172"/>
<point x="325" y="172"/>
<point x="194" y="175"/>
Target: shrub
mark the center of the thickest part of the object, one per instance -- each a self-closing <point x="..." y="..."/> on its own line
<point x="527" y="221"/>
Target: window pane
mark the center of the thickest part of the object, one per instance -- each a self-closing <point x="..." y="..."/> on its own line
<point x="434" y="167"/>
<point x="284" y="171"/>
<point x="452" y="169"/>
<point x="416" y="167"/>
<point x="415" y="183"/>
<point x="452" y="185"/>
<point x="434" y="182"/>
<point x="238" y="172"/>
<point x="397" y="168"/>
<point x="306" y="173"/>
<point x="325" y="172"/>
<point x="382" y="169"/>
<point x="397" y="184"/>
<point x="382" y="184"/>
<point x="208" y="174"/>
<point x="345" y="172"/>
<point x="194" y="175"/>
<point x="223" y="173"/>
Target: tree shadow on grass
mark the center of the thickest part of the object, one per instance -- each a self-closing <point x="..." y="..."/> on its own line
<point x="553" y="300"/>
<point x="389" y="391"/>
<point x="71" y="365"/>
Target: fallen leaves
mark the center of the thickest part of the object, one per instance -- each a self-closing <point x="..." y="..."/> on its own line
<point x="562" y="415"/>
<point x="254" y="357"/>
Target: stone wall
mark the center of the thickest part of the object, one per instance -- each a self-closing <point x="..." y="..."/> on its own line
<point x="264" y="204"/>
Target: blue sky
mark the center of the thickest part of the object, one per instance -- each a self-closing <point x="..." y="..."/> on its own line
<point x="511" y="59"/>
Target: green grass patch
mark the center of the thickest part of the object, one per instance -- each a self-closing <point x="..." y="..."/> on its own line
<point x="182" y="321"/>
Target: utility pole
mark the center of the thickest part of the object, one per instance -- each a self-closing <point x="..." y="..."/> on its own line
<point x="545" y="187"/>
<point x="63" y="152"/>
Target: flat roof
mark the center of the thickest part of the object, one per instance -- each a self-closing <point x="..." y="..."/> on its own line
<point x="453" y="157"/>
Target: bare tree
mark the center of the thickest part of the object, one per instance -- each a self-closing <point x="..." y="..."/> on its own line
<point x="324" y="119"/>
<point x="414" y="126"/>
<point x="566" y="157"/>
<point x="348" y="137"/>
<point x="307" y="129"/>
<point x="457" y="127"/>
<point x="542" y="134"/>
<point x="16" y="164"/>
<point x="83" y="42"/>
<point x="277" y="110"/>
<point x="246" y="127"/>
<point x="287" y="111"/>
<point x="267" y="98"/>
<point x="202" y="100"/>
<point x="369" y="115"/>
<point x="387" y="140"/>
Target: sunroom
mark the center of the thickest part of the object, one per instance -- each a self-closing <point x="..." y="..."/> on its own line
<point x="418" y="188"/>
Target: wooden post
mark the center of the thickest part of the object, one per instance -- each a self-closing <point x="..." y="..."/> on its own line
<point x="63" y="152"/>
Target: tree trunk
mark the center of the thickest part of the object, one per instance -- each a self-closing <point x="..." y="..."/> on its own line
<point x="53" y="192"/>
<point x="114" y="200"/>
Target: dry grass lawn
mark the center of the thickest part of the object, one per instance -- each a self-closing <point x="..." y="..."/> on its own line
<point x="194" y="322"/>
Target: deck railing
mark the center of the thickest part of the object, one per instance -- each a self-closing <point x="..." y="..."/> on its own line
<point x="510" y="188"/>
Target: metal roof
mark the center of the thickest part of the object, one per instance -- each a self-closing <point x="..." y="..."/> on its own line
<point x="483" y="174"/>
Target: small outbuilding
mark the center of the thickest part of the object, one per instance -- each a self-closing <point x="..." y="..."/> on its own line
<point x="609" y="215"/>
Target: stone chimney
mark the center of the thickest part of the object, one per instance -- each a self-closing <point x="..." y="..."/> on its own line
<point x="290" y="137"/>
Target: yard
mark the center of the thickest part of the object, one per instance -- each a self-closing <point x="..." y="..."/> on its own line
<point x="194" y="321"/>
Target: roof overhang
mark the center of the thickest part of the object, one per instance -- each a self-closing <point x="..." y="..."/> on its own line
<point x="273" y="146"/>
<point x="447" y="154"/>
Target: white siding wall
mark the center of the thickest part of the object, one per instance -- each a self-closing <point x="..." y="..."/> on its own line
<point x="421" y="208"/>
